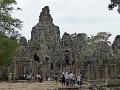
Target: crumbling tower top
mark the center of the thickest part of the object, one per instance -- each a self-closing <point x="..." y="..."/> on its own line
<point x="45" y="16"/>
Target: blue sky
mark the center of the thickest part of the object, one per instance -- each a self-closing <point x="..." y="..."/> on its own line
<point x="80" y="16"/>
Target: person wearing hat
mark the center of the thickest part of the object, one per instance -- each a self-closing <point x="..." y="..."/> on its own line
<point x="63" y="73"/>
<point x="78" y="79"/>
<point x="63" y="78"/>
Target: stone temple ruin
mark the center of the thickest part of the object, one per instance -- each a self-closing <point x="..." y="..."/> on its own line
<point x="47" y="53"/>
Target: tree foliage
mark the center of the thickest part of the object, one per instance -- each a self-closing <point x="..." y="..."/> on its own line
<point x="102" y="36"/>
<point x="93" y="40"/>
<point x="113" y="4"/>
<point x="8" y="47"/>
<point x="8" y="33"/>
<point x="8" y="24"/>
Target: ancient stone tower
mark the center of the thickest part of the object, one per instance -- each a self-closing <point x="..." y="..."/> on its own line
<point x="54" y="53"/>
<point x="48" y="54"/>
<point x="44" y="43"/>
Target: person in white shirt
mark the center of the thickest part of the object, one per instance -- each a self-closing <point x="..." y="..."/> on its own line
<point x="71" y="76"/>
<point x="29" y="76"/>
<point x="66" y="79"/>
<point x="78" y="79"/>
<point x="49" y="78"/>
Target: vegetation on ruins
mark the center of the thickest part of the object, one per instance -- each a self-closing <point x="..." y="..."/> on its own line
<point x="93" y="40"/>
<point x="8" y="33"/>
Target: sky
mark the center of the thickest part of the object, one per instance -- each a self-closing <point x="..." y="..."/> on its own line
<point x="80" y="16"/>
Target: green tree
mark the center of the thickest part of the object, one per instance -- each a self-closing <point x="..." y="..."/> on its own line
<point x="93" y="40"/>
<point x="8" y="24"/>
<point x="8" y="33"/>
<point x="102" y="36"/>
<point x="8" y="47"/>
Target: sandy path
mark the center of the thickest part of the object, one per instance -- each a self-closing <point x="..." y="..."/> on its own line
<point x="30" y="86"/>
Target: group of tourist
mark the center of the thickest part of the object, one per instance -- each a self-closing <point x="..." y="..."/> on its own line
<point x="39" y="78"/>
<point x="29" y="77"/>
<point x="69" y="79"/>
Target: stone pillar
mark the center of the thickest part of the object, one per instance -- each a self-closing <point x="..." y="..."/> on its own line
<point x="15" y="70"/>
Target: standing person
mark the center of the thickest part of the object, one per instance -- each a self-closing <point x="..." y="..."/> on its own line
<point x="39" y="77"/>
<point x="66" y="79"/>
<point x="118" y="77"/>
<point x="29" y="76"/>
<point x="81" y="79"/>
<point x="10" y="77"/>
<point x="49" y="78"/>
<point x="73" y="80"/>
<point x="24" y="76"/>
<point x="78" y="79"/>
<point x="71" y="75"/>
<point x="69" y="79"/>
<point x="63" y="78"/>
<point x="16" y="78"/>
<point x="55" y="77"/>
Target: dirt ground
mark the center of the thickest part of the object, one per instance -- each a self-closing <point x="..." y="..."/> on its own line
<point x="48" y="85"/>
